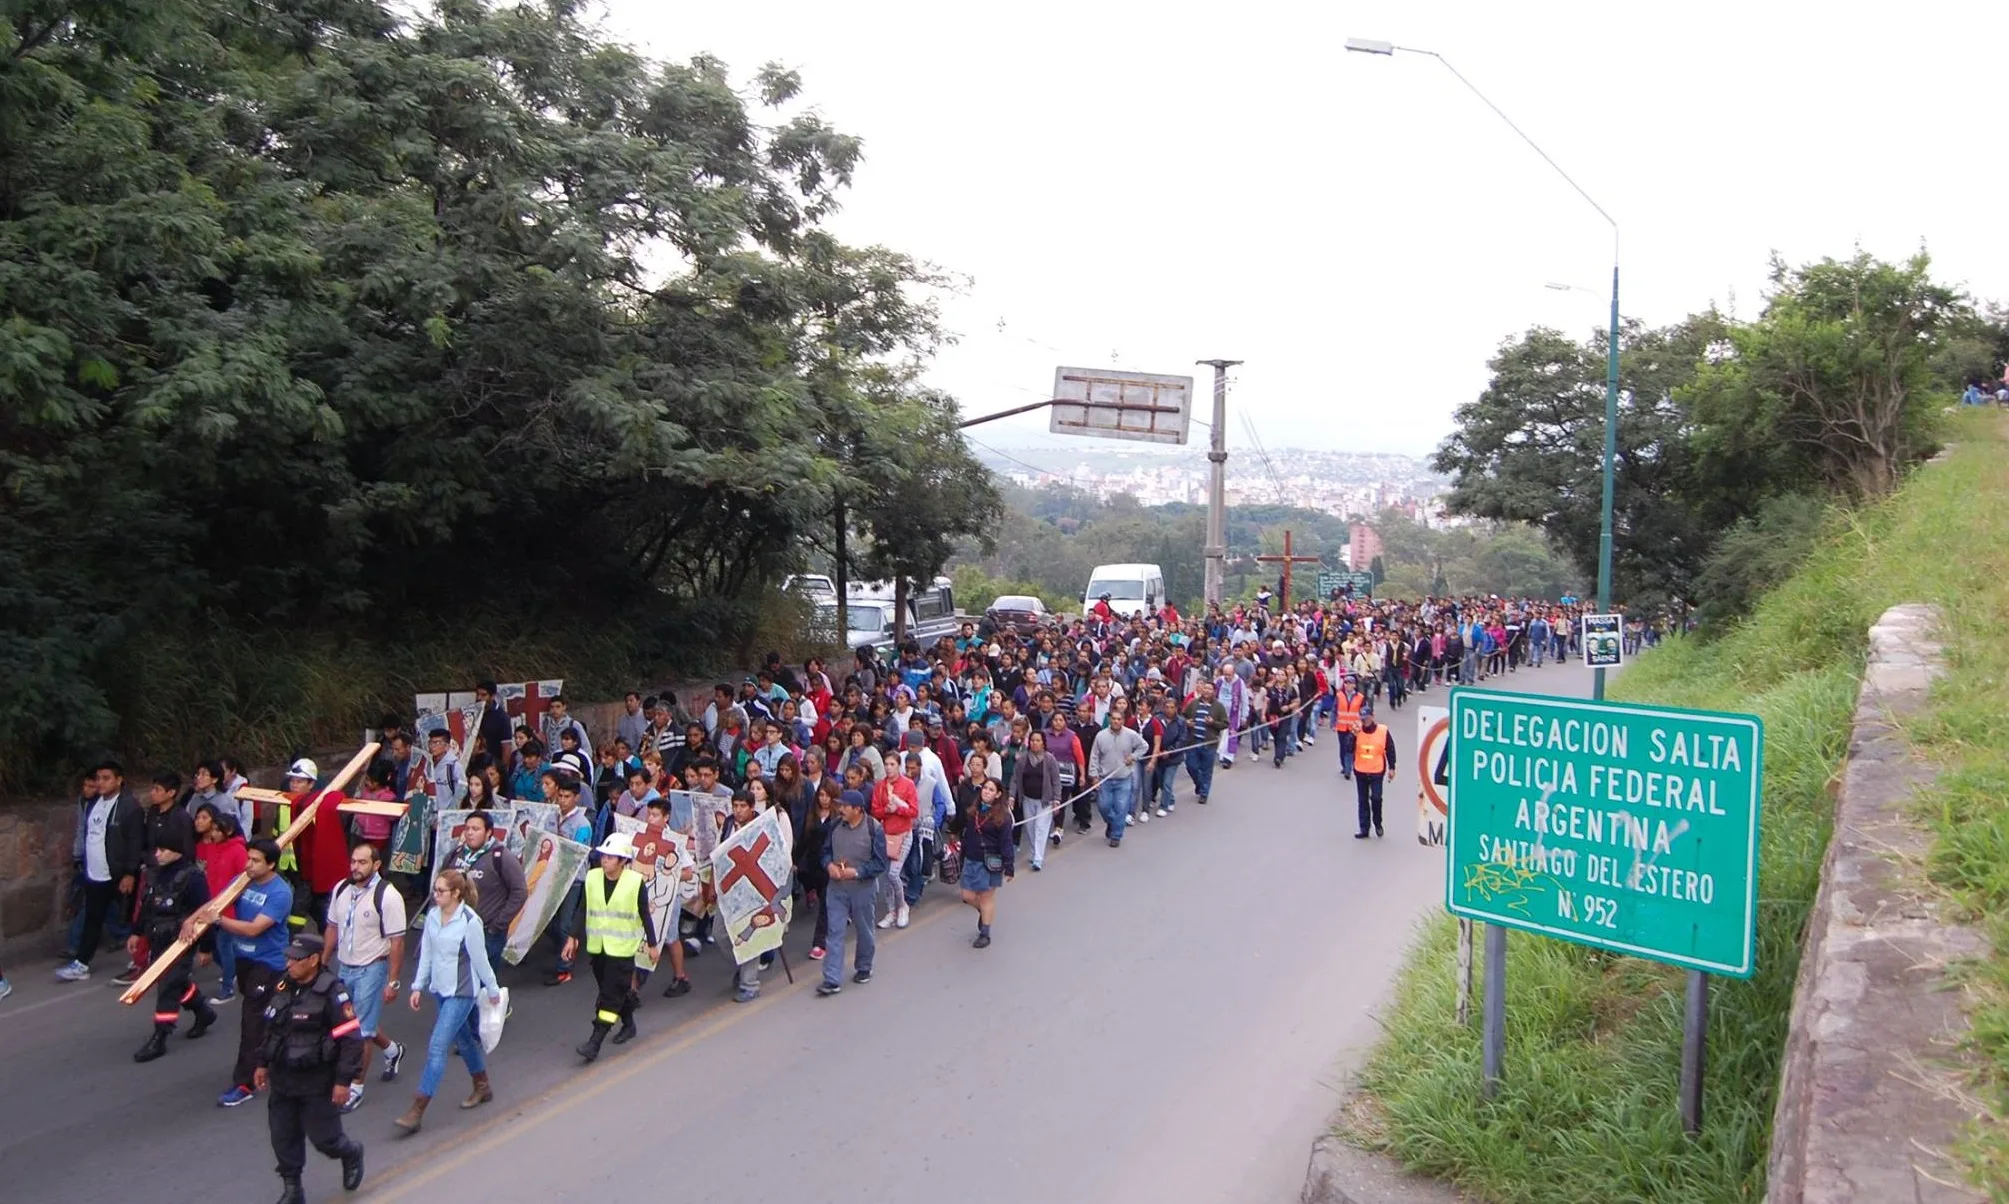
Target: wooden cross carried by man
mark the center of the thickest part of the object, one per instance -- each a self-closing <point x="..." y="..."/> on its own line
<point x="206" y="915"/>
<point x="1287" y="560"/>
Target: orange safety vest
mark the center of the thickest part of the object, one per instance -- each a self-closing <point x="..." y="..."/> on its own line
<point x="1370" y="751"/>
<point x="1348" y="719"/>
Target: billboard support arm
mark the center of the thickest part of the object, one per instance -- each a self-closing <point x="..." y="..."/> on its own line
<point x="1024" y="409"/>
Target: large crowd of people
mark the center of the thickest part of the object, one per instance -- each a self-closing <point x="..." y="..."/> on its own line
<point x="966" y="761"/>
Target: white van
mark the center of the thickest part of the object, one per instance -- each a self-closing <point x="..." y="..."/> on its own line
<point x="1133" y="589"/>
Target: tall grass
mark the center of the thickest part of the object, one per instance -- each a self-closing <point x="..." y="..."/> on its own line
<point x="1588" y="1108"/>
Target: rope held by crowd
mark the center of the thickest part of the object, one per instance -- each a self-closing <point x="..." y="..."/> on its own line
<point x="1092" y="787"/>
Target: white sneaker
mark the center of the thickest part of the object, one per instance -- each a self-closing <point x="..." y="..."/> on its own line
<point x="1143" y="817"/>
<point x="902" y="921"/>
<point x="888" y="921"/>
<point x="1162" y="811"/>
<point x="6" y="988"/>
<point x="1055" y="838"/>
<point x="1129" y="821"/>
<point x="74" y="972"/>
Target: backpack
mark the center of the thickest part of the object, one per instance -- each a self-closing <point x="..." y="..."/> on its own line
<point x="377" y="900"/>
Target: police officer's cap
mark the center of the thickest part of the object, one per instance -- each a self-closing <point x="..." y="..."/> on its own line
<point x="304" y="946"/>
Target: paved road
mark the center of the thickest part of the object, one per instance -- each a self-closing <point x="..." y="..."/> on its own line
<point x="1159" y="1022"/>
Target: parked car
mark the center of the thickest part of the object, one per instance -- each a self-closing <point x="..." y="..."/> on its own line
<point x="1015" y="610"/>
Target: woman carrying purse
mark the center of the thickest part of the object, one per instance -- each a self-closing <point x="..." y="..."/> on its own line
<point x="985" y="830"/>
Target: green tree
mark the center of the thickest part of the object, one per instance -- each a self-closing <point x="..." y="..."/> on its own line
<point x="1835" y="380"/>
<point x="1530" y="449"/>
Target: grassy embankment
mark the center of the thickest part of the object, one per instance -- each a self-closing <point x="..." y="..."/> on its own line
<point x="1588" y="1108"/>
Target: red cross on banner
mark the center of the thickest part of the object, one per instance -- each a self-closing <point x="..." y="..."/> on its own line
<point x="527" y="703"/>
<point x="746" y="867"/>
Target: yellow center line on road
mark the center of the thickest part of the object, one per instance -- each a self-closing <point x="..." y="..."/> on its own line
<point x="556" y="1101"/>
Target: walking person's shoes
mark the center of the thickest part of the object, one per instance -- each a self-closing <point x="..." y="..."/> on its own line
<point x="355" y="1098"/>
<point x="394" y="1057"/>
<point x="352" y="1167"/>
<point x="480" y="1094"/>
<point x="862" y="977"/>
<point x="75" y="971"/>
<point x="829" y="988"/>
<point x="1362" y="835"/>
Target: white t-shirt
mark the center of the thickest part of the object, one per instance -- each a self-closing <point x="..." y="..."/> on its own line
<point x="98" y="866"/>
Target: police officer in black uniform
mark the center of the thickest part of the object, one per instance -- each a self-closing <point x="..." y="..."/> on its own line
<point x="175" y="887"/>
<point x="313" y="1050"/>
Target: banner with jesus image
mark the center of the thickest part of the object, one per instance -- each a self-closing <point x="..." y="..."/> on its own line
<point x="750" y="872"/>
<point x="663" y="858"/>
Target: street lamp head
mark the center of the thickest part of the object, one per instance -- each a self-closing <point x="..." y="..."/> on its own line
<point x="1370" y="46"/>
<point x="1561" y="288"/>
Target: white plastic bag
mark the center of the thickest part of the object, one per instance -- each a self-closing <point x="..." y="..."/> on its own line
<point x="489" y="1018"/>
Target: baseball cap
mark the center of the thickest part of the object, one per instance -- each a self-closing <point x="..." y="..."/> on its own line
<point x="851" y="798"/>
<point x="303" y="946"/>
<point x="304" y="768"/>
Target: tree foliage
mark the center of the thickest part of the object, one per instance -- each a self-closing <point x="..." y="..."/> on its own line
<point x="312" y="313"/>
<point x="1829" y="391"/>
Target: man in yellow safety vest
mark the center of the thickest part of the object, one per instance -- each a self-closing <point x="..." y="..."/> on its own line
<point x="616" y="924"/>
<point x="1373" y="758"/>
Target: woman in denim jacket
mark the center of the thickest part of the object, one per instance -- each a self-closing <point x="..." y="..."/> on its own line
<point x="453" y="962"/>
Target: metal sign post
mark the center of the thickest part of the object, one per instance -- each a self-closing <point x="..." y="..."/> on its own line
<point x="1625" y="827"/>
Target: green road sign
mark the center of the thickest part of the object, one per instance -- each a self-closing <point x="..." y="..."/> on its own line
<point x="1631" y="828"/>
<point x="1331" y="581"/>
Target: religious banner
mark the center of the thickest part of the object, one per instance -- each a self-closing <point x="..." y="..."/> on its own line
<point x="408" y="839"/>
<point x="751" y="870"/>
<point x="547" y="875"/>
<point x="528" y="818"/>
<point x="663" y="858"/>
<point x="447" y="832"/>
<point x="456" y="710"/>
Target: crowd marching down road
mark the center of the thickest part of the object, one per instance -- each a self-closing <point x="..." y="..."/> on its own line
<point x="985" y="988"/>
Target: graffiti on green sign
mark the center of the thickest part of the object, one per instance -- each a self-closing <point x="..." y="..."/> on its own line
<point x="1628" y="827"/>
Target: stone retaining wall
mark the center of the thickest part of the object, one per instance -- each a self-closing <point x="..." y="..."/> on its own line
<point x="34" y="876"/>
<point x="1871" y="1091"/>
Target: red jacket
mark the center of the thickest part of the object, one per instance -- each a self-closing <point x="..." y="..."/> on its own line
<point x="221" y="862"/>
<point x="895" y="803"/>
<point x="324" y="846"/>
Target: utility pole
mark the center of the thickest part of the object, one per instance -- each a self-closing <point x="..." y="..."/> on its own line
<point x="1216" y="550"/>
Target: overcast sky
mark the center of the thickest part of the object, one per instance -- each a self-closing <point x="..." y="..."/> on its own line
<point x="1164" y="183"/>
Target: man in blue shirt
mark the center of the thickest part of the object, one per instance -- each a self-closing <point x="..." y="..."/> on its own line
<point x="256" y="928"/>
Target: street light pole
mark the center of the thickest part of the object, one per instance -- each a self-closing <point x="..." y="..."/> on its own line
<point x="1494" y="1037"/>
<point x="1216" y="551"/>
<point x="1370" y="46"/>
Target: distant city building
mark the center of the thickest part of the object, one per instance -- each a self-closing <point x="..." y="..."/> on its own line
<point x="1362" y="546"/>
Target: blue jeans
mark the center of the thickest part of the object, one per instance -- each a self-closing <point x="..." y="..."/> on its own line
<point x="1162" y="779"/>
<point x="1114" y="797"/>
<point x="565" y="922"/>
<point x="452" y="1029"/>
<point x="914" y="871"/>
<point x="1200" y="764"/>
<point x="226" y="967"/>
<point x="366" y="985"/>
<point x="494" y="941"/>
<point x="851" y="905"/>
